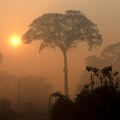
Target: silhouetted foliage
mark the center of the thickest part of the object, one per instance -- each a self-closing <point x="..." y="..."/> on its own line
<point x="5" y="109"/>
<point x="106" y="76"/>
<point x="62" y="107"/>
<point x="63" y="31"/>
<point x="103" y="103"/>
<point x="97" y="103"/>
<point x="110" y="55"/>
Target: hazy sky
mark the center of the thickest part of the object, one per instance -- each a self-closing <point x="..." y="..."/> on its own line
<point x="16" y="15"/>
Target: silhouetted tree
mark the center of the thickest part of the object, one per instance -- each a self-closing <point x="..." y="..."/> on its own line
<point x="62" y="107"/>
<point x="112" y="53"/>
<point x="63" y="31"/>
<point x="95" y="61"/>
<point x="100" y="103"/>
<point x="5" y="109"/>
<point x="106" y="76"/>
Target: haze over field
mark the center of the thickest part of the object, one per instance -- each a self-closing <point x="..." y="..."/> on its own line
<point x="16" y="15"/>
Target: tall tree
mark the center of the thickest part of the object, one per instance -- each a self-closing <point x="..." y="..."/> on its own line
<point x="63" y="31"/>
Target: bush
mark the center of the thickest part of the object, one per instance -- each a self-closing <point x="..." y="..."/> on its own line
<point x="100" y="102"/>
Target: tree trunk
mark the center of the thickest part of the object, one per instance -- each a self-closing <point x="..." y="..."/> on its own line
<point x="18" y="103"/>
<point x="65" y="70"/>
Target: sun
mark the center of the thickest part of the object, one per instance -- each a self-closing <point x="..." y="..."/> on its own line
<point x="15" y="41"/>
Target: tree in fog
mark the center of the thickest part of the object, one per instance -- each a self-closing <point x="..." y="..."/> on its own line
<point x="109" y="56"/>
<point x="34" y="92"/>
<point x="91" y="103"/>
<point x="112" y="53"/>
<point x="63" y="31"/>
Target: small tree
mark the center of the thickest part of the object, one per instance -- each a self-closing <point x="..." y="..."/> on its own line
<point x="62" y="107"/>
<point x="63" y="31"/>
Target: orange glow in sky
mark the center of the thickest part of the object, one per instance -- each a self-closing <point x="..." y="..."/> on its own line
<point x="23" y="59"/>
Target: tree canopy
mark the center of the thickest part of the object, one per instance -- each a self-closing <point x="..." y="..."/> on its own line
<point x="63" y="30"/>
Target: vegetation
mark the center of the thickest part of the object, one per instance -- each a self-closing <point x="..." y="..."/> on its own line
<point x="63" y="31"/>
<point x="5" y="104"/>
<point x="5" y="109"/>
<point x="62" y="107"/>
<point x="100" y="102"/>
<point x="34" y="93"/>
<point x="110" y="55"/>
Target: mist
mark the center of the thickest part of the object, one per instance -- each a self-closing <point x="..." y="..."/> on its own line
<point x="28" y="77"/>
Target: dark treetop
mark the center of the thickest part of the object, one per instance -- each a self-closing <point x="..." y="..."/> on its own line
<point x="63" y="30"/>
